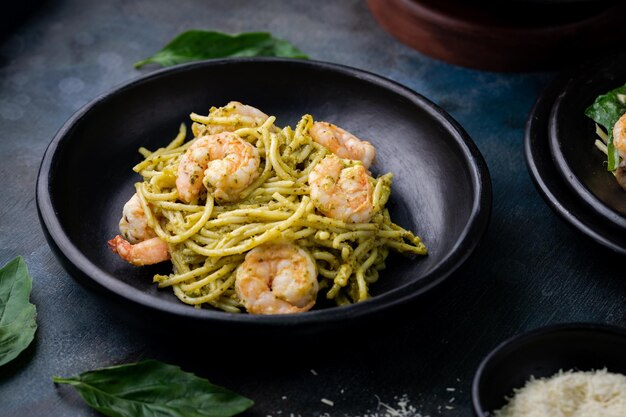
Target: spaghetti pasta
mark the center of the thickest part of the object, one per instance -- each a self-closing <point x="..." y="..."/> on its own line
<point x="208" y="239"/>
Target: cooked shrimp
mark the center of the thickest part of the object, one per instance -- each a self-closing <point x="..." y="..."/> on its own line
<point x="619" y="141"/>
<point x="138" y="243"/>
<point x="246" y="113"/>
<point x="343" y="143"/>
<point x="133" y="224"/>
<point x="147" y="252"/>
<point x="245" y="116"/>
<point x="277" y="279"/>
<point x="619" y="136"/>
<point x="341" y="190"/>
<point x="223" y="162"/>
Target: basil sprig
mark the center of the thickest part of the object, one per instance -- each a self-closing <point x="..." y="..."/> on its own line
<point x="17" y="314"/>
<point x="153" y="388"/>
<point x="196" y="45"/>
<point x="606" y="111"/>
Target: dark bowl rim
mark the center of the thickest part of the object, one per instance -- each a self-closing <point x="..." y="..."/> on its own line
<point x="462" y="25"/>
<point x="533" y="335"/>
<point x="465" y="244"/>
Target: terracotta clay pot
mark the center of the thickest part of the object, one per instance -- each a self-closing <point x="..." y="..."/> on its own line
<point x="515" y="36"/>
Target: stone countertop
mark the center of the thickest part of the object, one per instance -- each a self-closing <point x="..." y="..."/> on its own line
<point x="531" y="269"/>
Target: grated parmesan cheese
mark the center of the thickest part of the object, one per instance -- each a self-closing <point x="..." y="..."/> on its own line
<point x="570" y="394"/>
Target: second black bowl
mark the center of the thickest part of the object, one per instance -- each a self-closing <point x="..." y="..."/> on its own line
<point x="542" y="353"/>
<point x="581" y="166"/>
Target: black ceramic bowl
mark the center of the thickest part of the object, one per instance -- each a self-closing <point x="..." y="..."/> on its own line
<point x="572" y="134"/>
<point x="542" y="353"/>
<point x="441" y="186"/>
<point x="550" y="184"/>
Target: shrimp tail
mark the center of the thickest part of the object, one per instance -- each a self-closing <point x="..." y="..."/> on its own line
<point x="148" y="252"/>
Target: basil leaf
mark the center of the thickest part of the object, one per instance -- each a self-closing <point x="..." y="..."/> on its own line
<point x="17" y="314"/>
<point x="606" y="111"/>
<point x="196" y="45"/>
<point x="152" y="388"/>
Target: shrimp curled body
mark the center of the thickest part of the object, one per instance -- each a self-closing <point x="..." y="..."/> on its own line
<point x="243" y="114"/>
<point x="224" y="163"/>
<point x="277" y="279"/>
<point x="341" y="191"/>
<point x="133" y="224"/>
<point x="138" y="243"/>
<point x="343" y="143"/>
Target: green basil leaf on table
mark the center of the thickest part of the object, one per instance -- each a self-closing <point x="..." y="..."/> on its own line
<point x="153" y="388"/>
<point x="606" y="111"/>
<point x="196" y="45"/>
<point x="17" y="314"/>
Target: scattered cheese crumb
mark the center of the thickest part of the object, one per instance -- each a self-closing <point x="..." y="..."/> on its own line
<point x="401" y="407"/>
<point x="404" y="408"/>
<point x="593" y="393"/>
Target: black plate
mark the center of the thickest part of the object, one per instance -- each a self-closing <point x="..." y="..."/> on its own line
<point x="552" y="187"/>
<point x="542" y="353"/>
<point x="572" y="136"/>
<point x="441" y="187"/>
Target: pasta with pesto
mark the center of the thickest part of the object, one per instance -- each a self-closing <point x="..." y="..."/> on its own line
<point x="246" y="207"/>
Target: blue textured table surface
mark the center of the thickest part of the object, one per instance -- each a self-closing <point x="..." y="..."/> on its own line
<point x="531" y="269"/>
